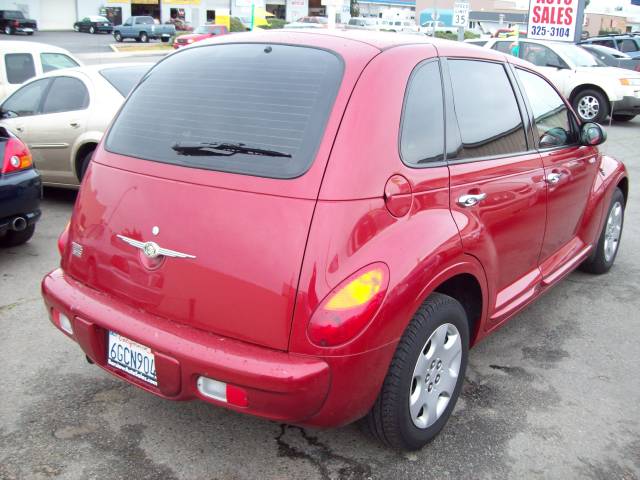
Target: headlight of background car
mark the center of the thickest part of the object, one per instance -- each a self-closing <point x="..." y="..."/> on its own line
<point x="634" y="82"/>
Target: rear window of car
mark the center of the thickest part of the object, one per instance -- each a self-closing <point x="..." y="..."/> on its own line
<point x="124" y="79"/>
<point x="252" y="109"/>
<point x="56" y="61"/>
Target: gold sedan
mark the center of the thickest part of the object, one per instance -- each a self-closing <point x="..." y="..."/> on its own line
<point x="62" y="116"/>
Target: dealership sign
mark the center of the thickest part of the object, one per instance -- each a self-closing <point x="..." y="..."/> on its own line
<point x="553" y="19"/>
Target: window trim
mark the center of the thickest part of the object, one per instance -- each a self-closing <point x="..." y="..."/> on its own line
<point x="414" y="72"/>
<point x="516" y="93"/>
<point x="575" y="123"/>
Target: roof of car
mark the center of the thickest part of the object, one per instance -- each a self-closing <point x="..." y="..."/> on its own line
<point x="16" y="46"/>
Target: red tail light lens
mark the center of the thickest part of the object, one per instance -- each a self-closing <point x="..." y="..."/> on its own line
<point x="349" y="307"/>
<point x="16" y="156"/>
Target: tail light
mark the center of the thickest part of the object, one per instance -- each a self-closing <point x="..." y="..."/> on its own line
<point x="16" y="156"/>
<point x="349" y="307"/>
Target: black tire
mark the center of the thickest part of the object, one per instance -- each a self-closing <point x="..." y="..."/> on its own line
<point x="389" y="419"/>
<point x="144" y="38"/>
<point x="84" y="164"/>
<point x="29" y="33"/>
<point x="623" y="118"/>
<point x="117" y="36"/>
<point x="599" y="97"/>
<point x="8" y="30"/>
<point x="13" y="238"/>
<point x="598" y="262"/>
<point x="92" y="29"/>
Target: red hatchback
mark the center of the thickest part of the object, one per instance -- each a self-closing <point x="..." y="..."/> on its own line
<point x="201" y="33"/>
<point x="324" y="238"/>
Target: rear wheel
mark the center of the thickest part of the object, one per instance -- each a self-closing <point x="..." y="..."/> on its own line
<point x="425" y="376"/>
<point x="13" y="238"/>
<point x="601" y="260"/>
<point x="623" y="118"/>
<point x="117" y="36"/>
<point x="8" y="30"/>
<point x="92" y="29"/>
<point x="591" y="106"/>
<point x="76" y="28"/>
<point x="144" y="38"/>
<point x="84" y="164"/>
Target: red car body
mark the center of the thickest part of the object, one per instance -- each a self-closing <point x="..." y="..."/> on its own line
<point x="269" y="251"/>
<point x="199" y="35"/>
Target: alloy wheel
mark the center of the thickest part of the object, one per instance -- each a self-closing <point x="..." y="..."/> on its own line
<point x="613" y="231"/>
<point x="588" y="107"/>
<point x="435" y="376"/>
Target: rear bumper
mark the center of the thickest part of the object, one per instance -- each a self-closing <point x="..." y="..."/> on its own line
<point x="627" y="106"/>
<point x="280" y="386"/>
<point x="20" y="195"/>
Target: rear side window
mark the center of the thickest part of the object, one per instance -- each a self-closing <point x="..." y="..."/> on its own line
<point x="66" y="95"/>
<point x="488" y="115"/>
<point x="628" y="45"/>
<point x="551" y="115"/>
<point x="56" y="61"/>
<point x="504" y="47"/>
<point x="124" y="79"/>
<point x="422" y="132"/>
<point x="19" y="66"/>
<point x="253" y="109"/>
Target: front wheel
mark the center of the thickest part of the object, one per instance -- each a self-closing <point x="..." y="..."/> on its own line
<point x="8" y="30"/>
<point x="425" y="376"/>
<point x="92" y="29"/>
<point x="144" y="38"/>
<point x="76" y="28"/>
<point x="623" y="118"/>
<point x="591" y="106"/>
<point x="601" y="260"/>
<point x="117" y="36"/>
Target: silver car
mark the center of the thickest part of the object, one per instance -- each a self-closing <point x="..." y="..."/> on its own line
<point x="62" y="115"/>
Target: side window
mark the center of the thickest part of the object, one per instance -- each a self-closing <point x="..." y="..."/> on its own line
<point x="20" y="67"/>
<point x="628" y="45"/>
<point x="606" y="43"/>
<point x="540" y="55"/>
<point x="56" y="61"/>
<point x="504" y="47"/>
<point x="25" y="101"/>
<point x="487" y="110"/>
<point x="129" y="22"/>
<point x="552" y="117"/>
<point x="65" y="95"/>
<point x="422" y="126"/>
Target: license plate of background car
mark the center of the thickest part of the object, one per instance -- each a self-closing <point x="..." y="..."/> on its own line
<point x="131" y="357"/>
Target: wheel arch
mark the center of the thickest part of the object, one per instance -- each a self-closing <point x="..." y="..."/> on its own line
<point x="623" y="184"/>
<point x="81" y="152"/>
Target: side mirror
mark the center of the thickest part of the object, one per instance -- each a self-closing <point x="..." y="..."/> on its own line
<point x="592" y="134"/>
<point x="555" y="137"/>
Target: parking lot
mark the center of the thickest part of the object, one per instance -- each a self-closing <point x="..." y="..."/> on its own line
<point x="553" y="394"/>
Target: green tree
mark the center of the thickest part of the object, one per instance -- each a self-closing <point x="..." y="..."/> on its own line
<point x="354" y="8"/>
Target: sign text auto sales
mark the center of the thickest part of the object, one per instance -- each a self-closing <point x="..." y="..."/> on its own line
<point x="553" y="19"/>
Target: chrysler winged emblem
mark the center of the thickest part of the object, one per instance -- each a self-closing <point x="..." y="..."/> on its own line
<point x="152" y="249"/>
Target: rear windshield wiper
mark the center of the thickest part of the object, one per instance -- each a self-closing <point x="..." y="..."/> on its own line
<point x="223" y="149"/>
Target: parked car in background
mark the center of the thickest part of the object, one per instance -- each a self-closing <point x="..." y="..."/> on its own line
<point x="626" y="43"/>
<point x="201" y="33"/>
<point x="180" y="25"/>
<point x="20" y="61"/>
<point x="363" y="23"/>
<point x="94" y="24"/>
<point x="595" y="90"/>
<point x="61" y="116"/>
<point x="613" y="57"/>
<point x="142" y="29"/>
<point x="432" y="26"/>
<point x="479" y="42"/>
<point x="20" y="191"/>
<point x="309" y="22"/>
<point x="14" y="21"/>
<point x="401" y="26"/>
<point x="402" y="227"/>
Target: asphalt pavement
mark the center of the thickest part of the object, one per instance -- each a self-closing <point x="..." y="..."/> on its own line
<point x="553" y="394"/>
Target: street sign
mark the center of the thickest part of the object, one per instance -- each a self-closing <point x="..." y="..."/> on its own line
<point x="460" y="14"/>
<point x="553" y="20"/>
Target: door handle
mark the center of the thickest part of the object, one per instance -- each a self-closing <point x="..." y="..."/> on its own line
<point x="20" y="128"/>
<point x="74" y="124"/>
<point x="553" y="178"/>
<point x="470" y="200"/>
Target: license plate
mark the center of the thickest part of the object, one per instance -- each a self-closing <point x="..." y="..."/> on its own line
<point x="131" y="357"/>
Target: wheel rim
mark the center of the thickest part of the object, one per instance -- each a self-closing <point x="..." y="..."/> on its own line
<point x="76" y="28"/>
<point x="588" y="107"/>
<point x="7" y="30"/>
<point x="612" y="232"/>
<point x="435" y="376"/>
<point x="92" y="30"/>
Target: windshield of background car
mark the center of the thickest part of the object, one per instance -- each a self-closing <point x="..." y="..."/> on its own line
<point x="577" y="56"/>
<point x="124" y="79"/>
<point x="253" y="109"/>
<point x="98" y="19"/>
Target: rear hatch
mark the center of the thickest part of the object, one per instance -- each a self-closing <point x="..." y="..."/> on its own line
<point x="217" y="157"/>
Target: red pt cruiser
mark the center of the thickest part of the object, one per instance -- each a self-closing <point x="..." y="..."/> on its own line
<point x="339" y="218"/>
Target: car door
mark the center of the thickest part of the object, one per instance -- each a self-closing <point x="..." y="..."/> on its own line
<point x="498" y="193"/>
<point x="21" y="107"/>
<point x="570" y="170"/>
<point x="53" y="132"/>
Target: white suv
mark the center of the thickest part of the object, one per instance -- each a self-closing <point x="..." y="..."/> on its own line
<point x="595" y="90"/>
